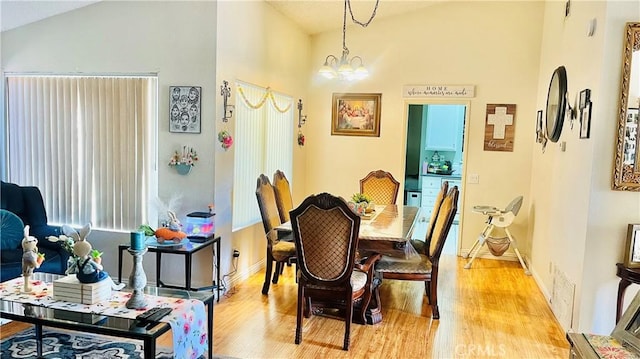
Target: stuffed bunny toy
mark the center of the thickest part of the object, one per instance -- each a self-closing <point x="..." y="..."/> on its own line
<point x="86" y="268"/>
<point x="30" y="258"/>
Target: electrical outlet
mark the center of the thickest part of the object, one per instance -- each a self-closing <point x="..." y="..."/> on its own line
<point x="236" y="253"/>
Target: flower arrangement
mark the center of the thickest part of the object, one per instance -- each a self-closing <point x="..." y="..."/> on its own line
<point x="360" y="197"/>
<point x="300" y="139"/>
<point x="187" y="157"/>
<point x="66" y="243"/>
<point x="225" y="139"/>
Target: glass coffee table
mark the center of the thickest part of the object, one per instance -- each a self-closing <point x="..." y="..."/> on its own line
<point x="187" y="248"/>
<point x="41" y="316"/>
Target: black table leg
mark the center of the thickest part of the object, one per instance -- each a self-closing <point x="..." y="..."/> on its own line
<point x="217" y="259"/>
<point x="210" y="316"/>
<point x="158" y="262"/>
<point x="187" y="270"/>
<point x="38" y="340"/>
<point x="120" y="250"/>
<point x="149" y="348"/>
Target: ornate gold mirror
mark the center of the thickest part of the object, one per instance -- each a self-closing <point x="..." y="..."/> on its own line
<point x="626" y="173"/>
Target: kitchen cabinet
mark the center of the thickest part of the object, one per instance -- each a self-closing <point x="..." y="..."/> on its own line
<point x="445" y="123"/>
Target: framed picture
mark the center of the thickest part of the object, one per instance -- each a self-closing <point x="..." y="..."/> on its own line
<point x="632" y="247"/>
<point x="627" y="330"/>
<point x="539" y="133"/>
<point x="585" y="97"/>
<point x="185" y="109"/>
<point x="356" y="114"/>
<point x="585" y="121"/>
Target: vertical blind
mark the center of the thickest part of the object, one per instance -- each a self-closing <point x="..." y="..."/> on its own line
<point x="263" y="144"/>
<point x="85" y="142"/>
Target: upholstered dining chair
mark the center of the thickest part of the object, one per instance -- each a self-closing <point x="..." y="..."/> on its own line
<point x="283" y="195"/>
<point x="380" y="186"/>
<point x="325" y="231"/>
<point x="277" y="251"/>
<point x="426" y="269"/>
<point x="419" y="244"/>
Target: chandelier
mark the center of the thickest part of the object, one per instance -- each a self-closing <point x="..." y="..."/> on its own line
<point x="346" y="68"/>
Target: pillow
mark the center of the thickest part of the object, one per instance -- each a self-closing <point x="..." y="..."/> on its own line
<point x="11" y="230"/>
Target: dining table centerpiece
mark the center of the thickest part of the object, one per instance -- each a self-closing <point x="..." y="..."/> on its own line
<point x="360" y="203"/>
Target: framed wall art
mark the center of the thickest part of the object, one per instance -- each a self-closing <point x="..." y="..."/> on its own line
<point x="585" y="120"/>
<point x="356" y="114"/>
<point x="500" y="127"/>
<point x="539" y="124"/>
<point x="185" y="109"/>
<point x="585" y="97"/>
<point x="632" y="247"/>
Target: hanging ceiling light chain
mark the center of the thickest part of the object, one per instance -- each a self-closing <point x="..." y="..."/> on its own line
<point x="344" y="67"/>
<point x="344" y="29"/>
<point x="373" y="14"/>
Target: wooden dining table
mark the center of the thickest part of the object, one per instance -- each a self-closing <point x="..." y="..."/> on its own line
<point x="386" y="231"/>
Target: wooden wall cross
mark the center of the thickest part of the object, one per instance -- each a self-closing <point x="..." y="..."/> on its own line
<point x="500" y="127"/>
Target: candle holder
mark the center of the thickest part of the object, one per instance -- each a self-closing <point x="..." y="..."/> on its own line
<point x="137" y="280"/>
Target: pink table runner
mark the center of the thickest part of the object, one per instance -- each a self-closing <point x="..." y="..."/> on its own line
<point x="188" y="318"/>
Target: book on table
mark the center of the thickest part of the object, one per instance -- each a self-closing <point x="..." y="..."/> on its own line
<point x="70" y="289"/>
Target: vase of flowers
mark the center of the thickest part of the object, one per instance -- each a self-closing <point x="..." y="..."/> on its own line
<point x="360" y="203"/>
<point x="183" y="162"/>
<point x="225" y="139"/>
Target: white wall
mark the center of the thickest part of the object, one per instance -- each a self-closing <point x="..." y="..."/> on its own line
<point x="579" y="223"/>
<point x="256" y="44"/>
<point x="492" y="45"/>
<point x="177" y="41"/>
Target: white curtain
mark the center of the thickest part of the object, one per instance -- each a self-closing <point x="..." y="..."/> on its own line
<point x="263" y="144"/>
<point x="85" y="142"/>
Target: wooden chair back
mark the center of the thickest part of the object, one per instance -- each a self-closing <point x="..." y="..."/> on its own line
<point x="267" y="204"/>
<point x="434" y="213"/>
<point x="380" y="186"/>
<point x="445" y="217"/>
<point x="325" y="231"/>
<point x="283" y="195"/>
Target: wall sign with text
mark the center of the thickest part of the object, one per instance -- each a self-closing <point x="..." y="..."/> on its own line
<point x="438" y="91"/>
<point x="500" y="128"/>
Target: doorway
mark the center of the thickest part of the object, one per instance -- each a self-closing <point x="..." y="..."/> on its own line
<point x="435" y="153"/>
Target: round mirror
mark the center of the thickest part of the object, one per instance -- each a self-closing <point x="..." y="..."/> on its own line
<point x="556" y="103"/>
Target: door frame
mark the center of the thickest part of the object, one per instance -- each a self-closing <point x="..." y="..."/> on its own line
<point x="465" y="143"/>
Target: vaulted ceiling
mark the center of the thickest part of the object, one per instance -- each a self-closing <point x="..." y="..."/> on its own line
<point x="314" y="16"/>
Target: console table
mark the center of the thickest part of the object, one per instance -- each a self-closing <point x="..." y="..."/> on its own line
<point x="627" y="276"/>
<point x="186" y="248"/>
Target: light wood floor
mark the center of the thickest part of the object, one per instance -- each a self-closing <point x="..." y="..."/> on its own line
<point x="490" y="311"/>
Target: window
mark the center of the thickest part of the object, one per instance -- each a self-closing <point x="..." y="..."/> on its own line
<point x="263" y="144"/>
<point x="87" y="143"/>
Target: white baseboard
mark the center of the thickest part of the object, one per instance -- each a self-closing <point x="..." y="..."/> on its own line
<point x="245" y="274"/>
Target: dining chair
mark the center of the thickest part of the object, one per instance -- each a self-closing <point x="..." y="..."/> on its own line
<point x="277" y="251"/>
<point x="426" y="269"/>
<point x="325" y="232"/>
<point x="380" y="186"/>
<point x="419" y="244"/>
<point x="283" y="195"/>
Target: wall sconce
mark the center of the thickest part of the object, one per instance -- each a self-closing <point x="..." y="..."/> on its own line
<point x="227" y="110"/>
<point x="302" y="119"/>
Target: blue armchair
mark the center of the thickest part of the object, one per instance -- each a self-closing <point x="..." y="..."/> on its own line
<point x="27" y="203"/>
